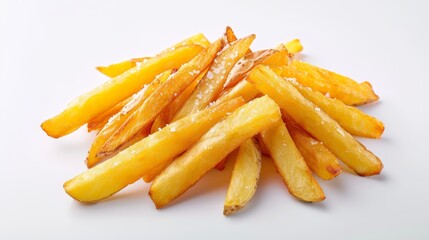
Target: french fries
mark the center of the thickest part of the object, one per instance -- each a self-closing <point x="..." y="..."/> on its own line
<point x="290" y="164"/>
<point x="216" y="144"/>
<point x="244" y="177"/>
<point x="212" y="83"/>
<point x="316" y="122"/>
<point x="350" y="118"/>
<point x="160" y="98"/>
<point x="104" y="97"/>
<point x="171" y="118"/>
<point x="331" y="84"/>
<point x="134" y="162"/>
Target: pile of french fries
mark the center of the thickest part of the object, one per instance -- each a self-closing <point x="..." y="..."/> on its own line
<point x="171" y="118"/>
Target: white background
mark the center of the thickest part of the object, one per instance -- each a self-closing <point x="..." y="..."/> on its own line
<point x="48" y="51"/>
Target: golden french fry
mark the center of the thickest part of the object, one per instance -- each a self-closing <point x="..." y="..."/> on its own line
<point x="137" y="160"/>
<point x="116" y="121"/>
<point x="331" y="84"/>
<point x="230" y="37"/>
<point x="161" y="97"/>
<point x="316" y="122"/>
<point x="209" y="88"/>
<point x="294" y="46"/>
<point x="320" y="160"/>
<point x="244" y="179"/>
<point x="91" y="104"/>
<point x="350" y="118"/>
<point x="216" y="144"/>
<point x="290" y="164"/>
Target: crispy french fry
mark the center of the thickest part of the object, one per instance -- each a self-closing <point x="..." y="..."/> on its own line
<point x="290" y="164"/>
<point x="294" y="46"/>
<point x="320" y="160"/>
<point x="101" y="120"/>
<point x="137" y="160"/>
<point x="330" y="83"/>
<point x="116" y="121"/>
<point x="216" y="144"/>
<point x="244" y="179"/>
<point x="350" y="118"/>
<point x="315" y="122"/>
<point x="230" y="37"/>
<point x="209" y="88"/>
<point x="104" y="97"/>
<point x="161" y="97"/>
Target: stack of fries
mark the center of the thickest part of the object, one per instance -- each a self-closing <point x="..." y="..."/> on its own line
<point x="171" y="118"/>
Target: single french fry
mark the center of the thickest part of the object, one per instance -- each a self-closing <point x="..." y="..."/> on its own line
<point x="315" y="122"/>
<point x="230" y="37"/>
<point x="331" y="84"/>
<point x="320" y="160"/>
<point x="350" y="118"/>
<point x="115" y="90"/>
<point x="209" y="88"/>
<point x="116" y="121"/>
<point x="161" y="97"/>
<point x="131" y="164"/>
<point x="290" y="164"/>
<point x="294" y="46"/>
<point x="101" y="120"/>
<point x="215" y="145"/>
<point x="244" y="179"/>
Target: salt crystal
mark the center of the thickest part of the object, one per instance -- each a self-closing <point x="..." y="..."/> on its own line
<point x="209" y="75"/>
<point x="328" y="94"/>
<point x="317" y="109"/>
<point x="172" y="129"/>
<point x="199" y="95"/>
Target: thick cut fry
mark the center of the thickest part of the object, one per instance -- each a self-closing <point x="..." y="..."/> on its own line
<point x="243" y="89"/>
<point x="230" y="37"/>
<point x="350" y="118"/>
<point x="104" y="97"/>
<point x="294" y="46"/>
<point x="290" y="164"/>
<point x="116" y="121"/>
<point x="134" y="162"/>
<point x="315" y="122"/>
<point x="320" y="160"/>
<point x="216" y="144"/>
<point x="331" y="84"/>
<point x="244" y="179"/>
<point x="161" y="97"/>
<point x="99" y="122"/>
<point x="209" y="88"/>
